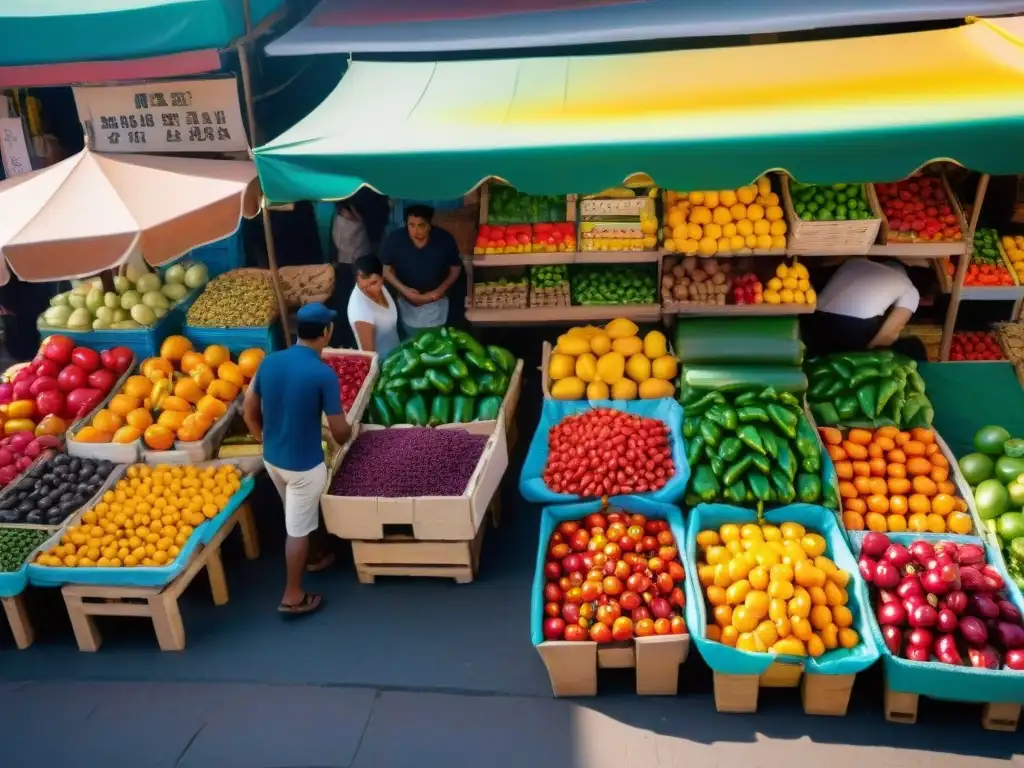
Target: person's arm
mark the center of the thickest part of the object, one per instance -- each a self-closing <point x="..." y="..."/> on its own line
<point x="252" y="410"/>
<point x="894" y="323"/>
<point x="366" y="334"/>
<point x="330" y="396"/>
<point x="411" y="294"/>
<point x="451" y="253"/>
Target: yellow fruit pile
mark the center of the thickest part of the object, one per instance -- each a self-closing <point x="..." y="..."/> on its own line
<point x="611" y="363"/>
<point x="1014" y="247"/>
<point x="725" y="222"/>
<point x="771" y="589"/>
<point x="176" y="396"/>
<point x="147" y="518"/>
<point x="791" y="285"/>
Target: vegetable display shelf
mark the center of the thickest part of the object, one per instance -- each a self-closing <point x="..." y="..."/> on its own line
<point x="358" y="408"/>
<point x="573" y="666"/>
<point x="430" y="518"/>
<point x="893" y="248"/>
<point x="1000" y="690"/>
<point x="982" y="292"/>
<point x="825" y="682"/>
<point x="269" y="338"/>
<point x="566" y="257"/>
<point x="640" y="313"/>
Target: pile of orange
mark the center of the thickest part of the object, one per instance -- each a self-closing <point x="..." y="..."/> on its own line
<point x="178" y="395"/>
<point x="893" y="481"/>
<point x="146" y="518"/>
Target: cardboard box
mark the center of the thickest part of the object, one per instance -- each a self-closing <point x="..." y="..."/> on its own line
<point x="437" y="518"/>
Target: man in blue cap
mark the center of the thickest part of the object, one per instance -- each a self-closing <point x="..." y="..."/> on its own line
<point x="283" y="408"/>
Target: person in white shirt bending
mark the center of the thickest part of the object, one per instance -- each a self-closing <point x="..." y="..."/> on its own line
<point x="865" y="305"/>
<point x="372" y="312"/>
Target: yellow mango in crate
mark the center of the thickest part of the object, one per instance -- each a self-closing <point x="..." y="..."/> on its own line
<point x="624" y="389"/>
<point x="568" y="389"/>
<point x="628" y="346"/>
<point x="586" y="367"/>
<point x="620" y="328"/>
<point x="665" y="368"/>
<point x="655" y="345"/>
<point x="572" y="344"/>
<point x="586" y="331"/>
<point x="600" y="343"/>
<point x="561" y="367"/>
<point x="611" y="367"/>
<point x="638" y="368"/>
<point x="597" y="390"/>
<point x="652" y="389"/>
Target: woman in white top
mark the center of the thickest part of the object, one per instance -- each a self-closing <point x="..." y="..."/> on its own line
<point x="865" y="305"/>
<point x="372" y="313"/>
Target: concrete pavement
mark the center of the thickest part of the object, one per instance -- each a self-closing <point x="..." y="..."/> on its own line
<point x="198" y="725"/>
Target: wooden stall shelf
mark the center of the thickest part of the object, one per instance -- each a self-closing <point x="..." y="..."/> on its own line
<point x="820" y="694"/>
<point x="573" y="667"/>
<point x="17" y="618"/>
<point x="159" y="604"/>
<point x="995" y="716"/>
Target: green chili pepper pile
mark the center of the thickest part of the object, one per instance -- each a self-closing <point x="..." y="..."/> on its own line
<point x="751" y="445"/>
<point x="442" y="376"/>
<point x="877" y="388"/>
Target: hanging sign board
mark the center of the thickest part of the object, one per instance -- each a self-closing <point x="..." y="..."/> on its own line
<point x="13" y="147"/>
<point x="182" y="116"/>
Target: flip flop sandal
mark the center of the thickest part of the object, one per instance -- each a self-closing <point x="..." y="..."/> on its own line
<point x="322" y="564"/>
<point x="308" y="604"/>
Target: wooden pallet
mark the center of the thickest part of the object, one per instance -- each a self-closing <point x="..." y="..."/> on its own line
<point x="401" y="554"/>
<point x="159" y="604"/>
<point x="17" y="617"/>
<point x="820" y="694"/>
<point x="573" y="667"/>
<point x="902" y="708"/>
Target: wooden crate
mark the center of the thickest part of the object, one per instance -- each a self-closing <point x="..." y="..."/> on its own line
<point x="401" y="554"/>
<point x="510" y="403"/>
<point x="17" y="617"/>
<point x="355" y="413"/>
<point x="431" y="518"/>
<point x="158" y="604"/>
<point x="902" y="708"/>
<point x="832" y="237"/>
<point x="820" y="694"/>
<point x="896" y="248"/>
<point x="573" y="667"/>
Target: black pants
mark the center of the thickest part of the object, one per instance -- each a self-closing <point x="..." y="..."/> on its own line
<point x="825" y="333"/>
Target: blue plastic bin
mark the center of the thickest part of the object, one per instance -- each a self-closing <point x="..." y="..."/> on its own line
<point x="722" y="658"/>
<point x="144" y="342"/>
<point x="269" y="338"/>
<point x="531" y="481"/>
<point x="550" y="517"/>
<point x="942" y="681"/>
<point x="158" y="576"/>
<point x="222" y="256"/>
<point x="14" y="583"/>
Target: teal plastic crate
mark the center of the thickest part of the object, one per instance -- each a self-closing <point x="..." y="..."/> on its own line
<point x="730" y="661"/>
<point x="269" y="338"/>
<point x="144" y="342"/>
<point x="222" y="256"/>
<point x="943" y="681"/>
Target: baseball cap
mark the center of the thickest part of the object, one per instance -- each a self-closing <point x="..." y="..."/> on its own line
<point x="316" y="313"/>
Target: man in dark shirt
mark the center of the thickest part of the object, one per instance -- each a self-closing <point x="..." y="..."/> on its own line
<point x="422" y="263"/>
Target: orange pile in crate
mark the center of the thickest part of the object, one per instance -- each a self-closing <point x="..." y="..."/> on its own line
<point x="895" y="481"/>
<point x="179" y="395"/>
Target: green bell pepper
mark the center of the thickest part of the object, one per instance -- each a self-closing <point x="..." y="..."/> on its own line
<point x="440" y="410"/>
<point x="694" y="451"/>
<point x="723" y="416"/>
<point x="457" y="369"/>
<point x="488" y="408"/>
<point x="806" y="441"/>
<point x="440" y="381"/>
<point x="396" y="384"/>
<point x="783" y="485"/>
<point x="463" y="409"/>
<point x="760" y="485"/>
<point x="738" y="469"/>
<point x="752" y="413"/>
<point x="466" y="343"/>
<point x="504" y="359"/>
<point x="761" y="462"/>
<point x="480" y="362"/>
<point x="381" y="412"/>
<point x="705" y="484"/>
<point x="691" y="427"/>
<point x="711" y="433"/>
<point x="791" y="400"/>
<point x="730" y="448"/>
<point x="469" y="387"/>
<point x="396" y="402"/>
<point x="867" y="399"/>
<point x="751" y="438"/>
<point x="808" y="488"/>
<point x="737" y="492"/>
<point x="786" y="461"/>
<point x="416" y="411"/>
<point x="439" y="359"/>
<point x="783" y="418"/>
<point x="420" y="384"/>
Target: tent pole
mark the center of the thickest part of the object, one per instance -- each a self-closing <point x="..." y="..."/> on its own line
<point x="268" y="232"/>
<point x="961" y="270"/>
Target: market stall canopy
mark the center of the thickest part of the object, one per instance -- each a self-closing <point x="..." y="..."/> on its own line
<point x="420" y="26"/>
<point x="856" y="110"/>
<point x="54" y="31"/>
<point x="89" y="212"/>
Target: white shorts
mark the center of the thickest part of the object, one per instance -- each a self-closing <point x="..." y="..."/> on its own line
<point x="300" y="492"/>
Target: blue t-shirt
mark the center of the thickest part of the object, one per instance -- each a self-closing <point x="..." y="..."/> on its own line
<point x="295" y="387"/>
<point x="422" y="269"/>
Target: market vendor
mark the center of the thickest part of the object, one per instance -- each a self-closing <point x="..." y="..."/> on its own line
<point x="372" y="313"/>
<point x="865" y="305"/>
<point x="292" y="391"/>
<point x="422" y="263"/>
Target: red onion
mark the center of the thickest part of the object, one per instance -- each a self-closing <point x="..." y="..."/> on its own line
<point x="983" y="658"/>
<point x="993" y="578"/>
<point x="946" y="650"/>
<point x="970" y="554"/>
<point x="956" y="601"/>
<point x="898" y="555"/>
<point x="874" y="545"/>
<point x="971" y="579"/>
<point x="1009" y="636"/>
<point x="1008" y="612"/>
<point x="947" y="621"/>
<point x="983" y="606"/>
<point x="893" y="637"/>
<point x="891" y="614"/>
<point x="973" y="631"/>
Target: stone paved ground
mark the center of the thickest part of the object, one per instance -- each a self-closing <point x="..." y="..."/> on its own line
<point x="196" y="725"/>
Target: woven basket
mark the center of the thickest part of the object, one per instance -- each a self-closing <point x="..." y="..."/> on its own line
<point x="306" y="284"/>
<point x="824" y="237"/>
